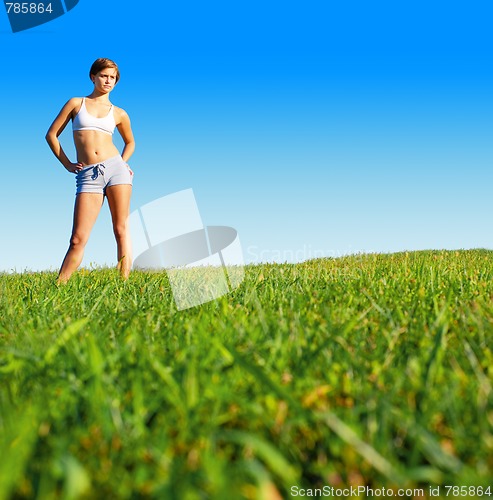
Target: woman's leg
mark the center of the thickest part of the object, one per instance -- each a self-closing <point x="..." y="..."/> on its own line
<point x="86" y="210"/>
<point x="119" y="202"/>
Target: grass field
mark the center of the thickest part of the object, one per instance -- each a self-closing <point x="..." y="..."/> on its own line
<point x="368" y="370"/>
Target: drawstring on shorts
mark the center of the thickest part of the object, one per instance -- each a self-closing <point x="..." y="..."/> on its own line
<point x="96" y="171"/>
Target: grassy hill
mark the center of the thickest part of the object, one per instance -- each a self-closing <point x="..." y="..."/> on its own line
<point x="370" y="370"/>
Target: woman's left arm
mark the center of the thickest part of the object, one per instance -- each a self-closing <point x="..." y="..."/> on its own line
<point x="125" y="130"/>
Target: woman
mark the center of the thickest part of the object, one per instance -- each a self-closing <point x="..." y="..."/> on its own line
<point x="100" y="169"/>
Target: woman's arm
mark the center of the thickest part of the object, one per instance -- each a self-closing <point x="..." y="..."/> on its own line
<point x="56" y="129"/>
<point x="125" y="130"/>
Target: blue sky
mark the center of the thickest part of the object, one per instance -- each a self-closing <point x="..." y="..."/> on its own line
<point x="313" y="128"/>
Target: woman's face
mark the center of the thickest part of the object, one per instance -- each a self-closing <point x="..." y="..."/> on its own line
<point x="105" y="80"/>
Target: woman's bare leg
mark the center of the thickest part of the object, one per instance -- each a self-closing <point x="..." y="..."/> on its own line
<point x="86" y="210"/>
<point x="119" y="203"/>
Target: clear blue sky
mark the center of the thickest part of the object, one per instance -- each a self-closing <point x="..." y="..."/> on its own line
<point x="313" y="128"/>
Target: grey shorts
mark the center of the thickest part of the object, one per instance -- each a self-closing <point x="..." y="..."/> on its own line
<point x="97" y="177"/>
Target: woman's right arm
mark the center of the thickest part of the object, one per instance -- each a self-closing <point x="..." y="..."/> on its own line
<point x="56" y="128"/>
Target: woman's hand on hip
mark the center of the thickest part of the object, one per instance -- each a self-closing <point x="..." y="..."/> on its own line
<point x="74" y="168"/>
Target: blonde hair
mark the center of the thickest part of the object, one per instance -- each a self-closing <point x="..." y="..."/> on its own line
<point x="103" y="63"/>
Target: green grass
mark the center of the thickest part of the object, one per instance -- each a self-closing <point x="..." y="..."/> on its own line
<point x="369" y="369"/>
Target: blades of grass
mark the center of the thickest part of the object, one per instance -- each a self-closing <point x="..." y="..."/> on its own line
<point x="425" y="474"/>
<point x="262" y="377"/>
<point x="96" y="359"/>
<point x="138" y="405"/>
<point x="191" y="385"/>
<point x="174" y="393"/>
<point x="104" y="291"/>
<point x="339" y="335"/>
<point x="484" y="383"/>
<point x="254" y="298"/>
<point x="267" y="489"/>
<point x="363" y="449"/>
<point x="266" y="452"/>
<point x="71" y="331"/>
<point x="436" y="455"/>
<point x="11" y="363"/>
<point x="77" y="481"/>
<point x="386" y="313"/>
<point x="336" y="425"/>
<point x="98" y="395"/>
<point x="434" y="451"/>
<point x="434" y="360"/>
<point x="16" y="448"/>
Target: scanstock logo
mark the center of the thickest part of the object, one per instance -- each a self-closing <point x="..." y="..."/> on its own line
<point x="25" y="15"/>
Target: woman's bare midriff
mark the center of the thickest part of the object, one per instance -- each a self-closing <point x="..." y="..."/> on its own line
<point x="93" y="146"/>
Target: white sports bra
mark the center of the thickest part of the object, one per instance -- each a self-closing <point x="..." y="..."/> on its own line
<point x="85" y="121"/>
